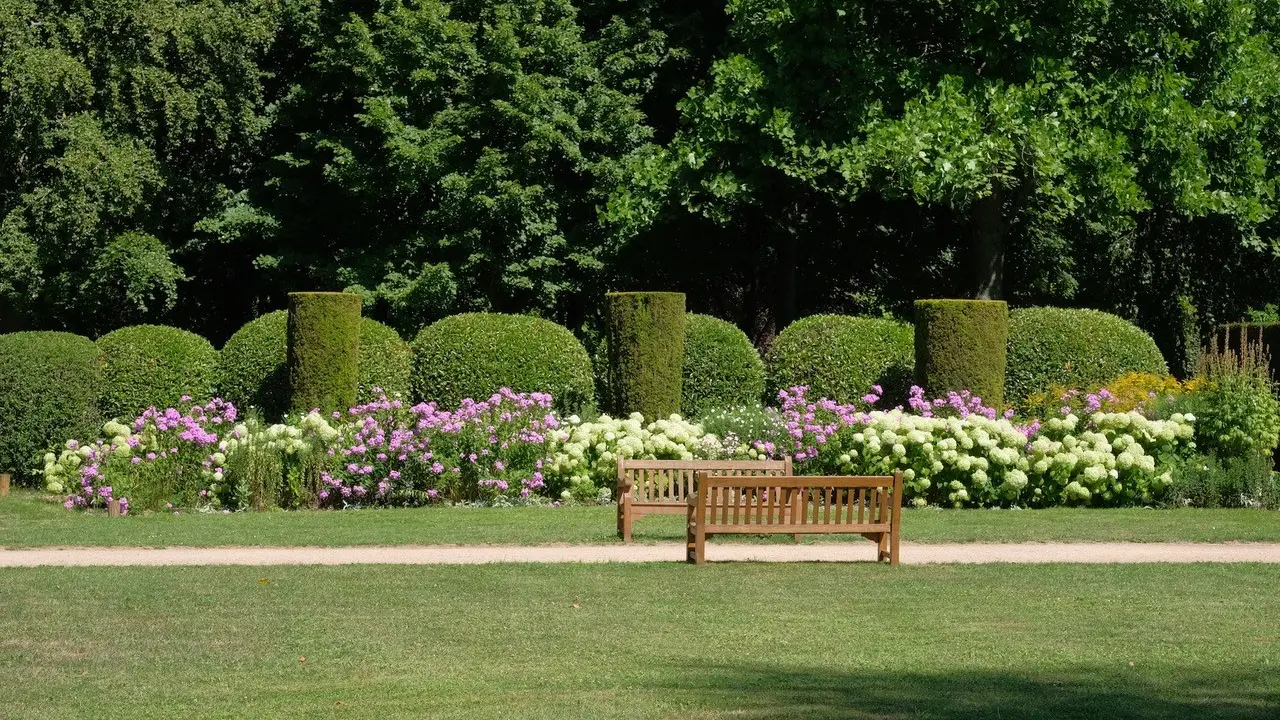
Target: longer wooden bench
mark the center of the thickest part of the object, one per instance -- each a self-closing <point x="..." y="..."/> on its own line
<point x="649" y="487"/>
<point x="870" y="506"/>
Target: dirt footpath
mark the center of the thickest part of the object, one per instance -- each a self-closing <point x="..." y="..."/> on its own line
<point x="912" y="554"/>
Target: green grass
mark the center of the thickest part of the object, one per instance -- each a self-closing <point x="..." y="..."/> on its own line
<point x="27" y="520"/>
<point x="642" y="641"/>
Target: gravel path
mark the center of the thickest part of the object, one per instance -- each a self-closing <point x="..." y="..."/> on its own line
<point x="912" y="554"/>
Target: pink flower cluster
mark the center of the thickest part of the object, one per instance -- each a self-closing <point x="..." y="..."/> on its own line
<point x="390" y="452"/>
<point x="962" y="404"/>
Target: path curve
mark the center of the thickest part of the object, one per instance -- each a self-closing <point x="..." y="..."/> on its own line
<point x="912" y="554"/>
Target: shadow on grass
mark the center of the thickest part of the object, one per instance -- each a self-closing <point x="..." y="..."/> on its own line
<point x="819" y="695"/>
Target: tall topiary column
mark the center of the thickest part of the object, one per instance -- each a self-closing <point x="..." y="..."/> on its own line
<point x="961" y="345"/>
<point x="324" y="350"/>
<point x="646" y="352"/>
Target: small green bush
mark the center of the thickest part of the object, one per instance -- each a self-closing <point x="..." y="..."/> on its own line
<point x="1237" y="414"/>
<point x="473" y="355"/>
<point x="386" y="361"/>
<point x="721" y="366"/>
<point x="1206" y="481"/>
<point x="324" y="350"/>
<point x="253" y="368"/>
<point x="1074" y="349"/>
<point x="961" y="345"/>
<point x="840" y="357"/>
<point x="49" y="386"/>
<point x="146" y="365"/>
<point x="645" y="340"/>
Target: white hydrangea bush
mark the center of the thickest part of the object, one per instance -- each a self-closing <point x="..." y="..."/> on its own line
<point x="584" y="455"/>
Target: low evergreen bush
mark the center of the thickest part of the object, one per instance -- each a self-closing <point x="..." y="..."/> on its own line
<point x="154" y="365"/>
<point x="473" y="355"/>
<point x="1075" y="349"/>
<point x="840" y="357"/>
<point x="49" y="388"/>
<point x="721" y="366"/>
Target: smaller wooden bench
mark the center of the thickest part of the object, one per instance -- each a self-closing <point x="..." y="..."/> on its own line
<point x="649" y="487"/>
<point x="870" y="506"/>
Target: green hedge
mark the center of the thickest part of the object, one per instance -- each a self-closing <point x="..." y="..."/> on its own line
<point x="840" y="357"/>
<point x="473" y="355"/>
<point x="146" y="365"/>
<point x="721" y="366"/>
<point x="254" y="370"/>
<point x="49" y="386"/>
<point x="645" y="334"/>
<point x="961" y="345"/>
<point x="324" y="350"/>
<point x="1074" y="348"/>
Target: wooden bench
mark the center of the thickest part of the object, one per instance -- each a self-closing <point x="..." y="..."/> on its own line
<point x="866" y="506"/>
<point x="650" y="487"/>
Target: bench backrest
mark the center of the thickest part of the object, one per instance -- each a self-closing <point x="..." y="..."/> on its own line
<point x="843" y="504"/>
<point x="673" y="481"/>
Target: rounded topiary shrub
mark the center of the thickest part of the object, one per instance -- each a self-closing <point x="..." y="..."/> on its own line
<point x="645" y="340"/>
<point x="254" y="372"/>
<point x="721" y="366"/>
<point x="146" y="365"/>
<point x="473" y="355"/>
<point x="840" y="357"/>
<point x="1075" y="349"/>
<point x="49" y="385"/>
<point x="386" y="361"/>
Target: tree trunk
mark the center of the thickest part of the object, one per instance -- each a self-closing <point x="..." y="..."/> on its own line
<point x="990" y="231"/>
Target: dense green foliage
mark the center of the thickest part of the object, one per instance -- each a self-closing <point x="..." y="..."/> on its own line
<point x="645" y="336"/>
<point x="192" y="161"/>
<point x="49" y="385"/>
<point x="841" y="357"/>
<point x="154" y="365"/>
<point x="473" y="355"/>
<point x="961" y="345"/>
<point x="253" y="369"/>
<point x="323" y="350"/>
<point x="721" y="366"/>
<point x="1074" y="349"/>
<point x="386" y="361"/>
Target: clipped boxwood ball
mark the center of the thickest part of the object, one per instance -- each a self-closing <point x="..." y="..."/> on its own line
<point x="254" y="370"/>
<point x="386" y="361"/>
<point x="1074" y="348"/>
<point x="840" y="357"/>
<point x="473" y="355"/>
<point x="146" y="365"/>
<point x="721" y="366"/>
<point x="49" y="385"/>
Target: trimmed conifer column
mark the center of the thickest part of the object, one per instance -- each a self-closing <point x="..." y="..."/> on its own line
<point x="324" y="350"/>
<point x="961" y="345"/>
<point x="646" y="352"/>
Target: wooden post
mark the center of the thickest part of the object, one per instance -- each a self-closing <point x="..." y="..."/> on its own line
<point x="4" y="485"/>
<point x="113" y="508"/>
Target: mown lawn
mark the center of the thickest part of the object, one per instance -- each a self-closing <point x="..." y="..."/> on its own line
<point x="642" y="641"/>
<point x="28" y="520"/>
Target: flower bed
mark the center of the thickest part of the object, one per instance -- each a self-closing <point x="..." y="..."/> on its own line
<point x="513" y="448"/>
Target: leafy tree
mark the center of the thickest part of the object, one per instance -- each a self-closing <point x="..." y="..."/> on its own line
<point x="1037" y="151"/>
<point x="125" y="125"/>
<point x="477" y="134"/>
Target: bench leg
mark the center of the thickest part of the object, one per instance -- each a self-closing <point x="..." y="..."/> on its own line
<point x="882" y="548"/>
<point x="625" y="518"/>
<point x="798" y="538"/>
<point x="894" y="538"/>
